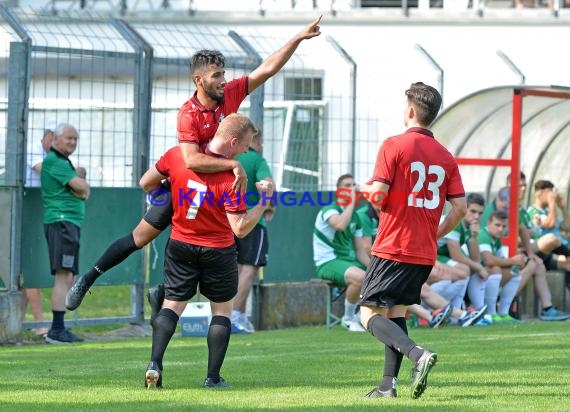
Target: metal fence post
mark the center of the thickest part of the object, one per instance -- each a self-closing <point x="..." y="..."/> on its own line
<point x="353" y="78"/>
<point x="142" y="88"/>
<point x="18" y="83"/>
<point x="18" y="90"/>
<point x="436" y="66"/>
<point x="257" y="97"/>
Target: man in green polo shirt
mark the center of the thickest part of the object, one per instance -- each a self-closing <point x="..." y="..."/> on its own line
<point x="64" y="191"/>
<point x="252" y="249"/>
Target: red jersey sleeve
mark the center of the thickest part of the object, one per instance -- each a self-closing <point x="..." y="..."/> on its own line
<point x="234" y="93"/>
<point x="385" y="166"/>
<point x="188" y="127"/>
<point x="233" y="204"/>
<point x="455" y="185"/>
<point x="163" y="164"/>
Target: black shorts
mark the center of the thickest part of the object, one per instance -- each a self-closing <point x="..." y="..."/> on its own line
<point x="252" y="249"/>
<point x="388" y="283"/>
<point x="159" y="214"/>
<point x="63" y="246"/>
<point x="548" y="259"/>
<point x="188" y="266"/>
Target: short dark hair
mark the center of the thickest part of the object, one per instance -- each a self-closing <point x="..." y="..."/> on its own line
<point x="543" y="184"/>
<point x="475" y="198"/>
<point x="522" y="177"/>
<point x="203" y="58"/>
<point x="499" y="215"/>
<point x="342" y="177"/>
<point x="426" y="101"/>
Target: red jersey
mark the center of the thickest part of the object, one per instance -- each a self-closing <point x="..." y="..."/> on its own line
<point x="422" y="175"/>
<point x="200" y="202"/>
<point x="197" y="124"/>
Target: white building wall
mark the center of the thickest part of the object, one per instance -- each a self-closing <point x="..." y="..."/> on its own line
<point x="388" y="61"/>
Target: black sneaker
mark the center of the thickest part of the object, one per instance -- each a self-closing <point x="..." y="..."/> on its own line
<point x="73" y="337"/>
<point x="211" y="383"/>
<point x="62" y="336"/>
<point x="76" y="293"/>
<point x="421" y="371"/>
<point x="153" y="376"/>
<point x="155" y="297"/>
<point x="377" y="393"/>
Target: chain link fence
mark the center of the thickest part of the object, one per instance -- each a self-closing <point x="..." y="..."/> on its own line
<point x="121" y="83"/>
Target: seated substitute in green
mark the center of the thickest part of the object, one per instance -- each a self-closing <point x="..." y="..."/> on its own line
<point x="338" y="249"/>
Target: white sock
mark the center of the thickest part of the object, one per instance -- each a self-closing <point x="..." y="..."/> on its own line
<point x="235" y="315"/>
<point x="460" y="288"/>
<point x="476" y="291"/>
<point x="442" y="288"/>
<point x="508" y="294"/>
<point x="349" y="309"/>
<point x="492" y="292"/>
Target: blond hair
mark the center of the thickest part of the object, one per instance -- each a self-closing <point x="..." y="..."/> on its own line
<point x="236" y="125"/>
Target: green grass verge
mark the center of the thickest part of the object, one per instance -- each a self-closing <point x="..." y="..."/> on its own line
<point x="498" y="368"/>
<point x="103" y="301"/>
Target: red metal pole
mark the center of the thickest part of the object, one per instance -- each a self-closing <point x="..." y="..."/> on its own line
<point x="474" y="161"/>
<point x="512" y="240"/>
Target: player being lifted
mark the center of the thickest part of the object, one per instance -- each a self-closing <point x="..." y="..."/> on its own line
<point x="198" y="120"/>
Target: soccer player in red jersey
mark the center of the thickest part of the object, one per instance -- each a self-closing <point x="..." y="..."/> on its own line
<point x="201" y="251"/>
<point x="413" y="177"/>
<point x="198" y="120"/>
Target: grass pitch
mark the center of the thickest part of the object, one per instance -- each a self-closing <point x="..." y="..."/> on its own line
<point x="498" y="368"/>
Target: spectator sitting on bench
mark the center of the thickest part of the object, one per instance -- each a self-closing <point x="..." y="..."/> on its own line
<point x="545" y="242"/>
<point x="544" y="216"/>
<point x="504" y="273"/>
<point x="338" y="249"/>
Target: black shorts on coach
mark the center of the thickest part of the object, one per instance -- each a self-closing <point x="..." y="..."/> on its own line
<point x="252" y="249"/>
<point x="63" y="246"/>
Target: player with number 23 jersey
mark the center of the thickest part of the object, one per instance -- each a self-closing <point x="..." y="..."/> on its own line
<point x="422" y="175"/>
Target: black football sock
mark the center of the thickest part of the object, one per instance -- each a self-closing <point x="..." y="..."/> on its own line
<point x="57" y="322"/>
<point x="163" y="327"/>
<point x="218" y="341"/>
<point x="392" y="360"/>
<point x="115" y="254"/>
<point x="389" y="333"/>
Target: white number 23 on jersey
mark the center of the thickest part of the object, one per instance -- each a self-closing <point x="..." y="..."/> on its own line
<point x="432" y="170"/>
